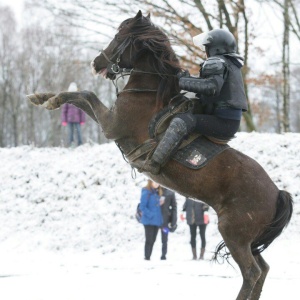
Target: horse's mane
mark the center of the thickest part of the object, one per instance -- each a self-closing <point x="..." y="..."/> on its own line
<point x="161" y="57"/>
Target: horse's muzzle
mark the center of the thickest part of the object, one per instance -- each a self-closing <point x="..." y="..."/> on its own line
<point x="93" y="67"/>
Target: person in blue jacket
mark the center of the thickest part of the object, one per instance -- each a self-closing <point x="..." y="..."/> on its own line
<point x="169" y="215"/>
<point x="151" y="214"/>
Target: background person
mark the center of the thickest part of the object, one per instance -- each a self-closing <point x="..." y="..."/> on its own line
<point x="195" y="218"/>
<point x="169" y="214"/>
<point x="151" y="214"/>
<point x="73" y="117"/>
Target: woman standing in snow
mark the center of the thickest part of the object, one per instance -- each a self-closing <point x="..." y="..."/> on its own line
<point x="196" y="216"/>
<point x="151" y="214"/>
<point x="73" y="117"/>
<point x="169" y="214"/>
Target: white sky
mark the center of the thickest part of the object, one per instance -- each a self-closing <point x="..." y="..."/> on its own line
<point x="268" y="28"/>
<point x="16" y="5"/>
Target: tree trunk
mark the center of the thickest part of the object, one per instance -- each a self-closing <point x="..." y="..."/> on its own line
<point x="286" y="68"/>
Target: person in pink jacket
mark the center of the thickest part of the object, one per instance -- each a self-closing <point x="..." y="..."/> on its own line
<point x="73" y="117"/>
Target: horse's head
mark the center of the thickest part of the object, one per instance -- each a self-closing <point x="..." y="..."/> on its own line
<point x="120" y="51"/>
<point x="135" y="37"/>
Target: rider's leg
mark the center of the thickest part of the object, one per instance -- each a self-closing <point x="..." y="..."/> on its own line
<point x="179" y="127"/>
<point x="182" y="125"/>
<point x="211" y="125"/>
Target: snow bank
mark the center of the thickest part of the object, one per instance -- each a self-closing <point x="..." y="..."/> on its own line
<point x="84" y="199"/>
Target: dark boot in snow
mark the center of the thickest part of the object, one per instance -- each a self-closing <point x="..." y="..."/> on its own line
<point x="194" y="253"/>
<point x="202" y="251"/>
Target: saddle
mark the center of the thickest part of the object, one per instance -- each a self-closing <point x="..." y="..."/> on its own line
<point x="194" y="152"/>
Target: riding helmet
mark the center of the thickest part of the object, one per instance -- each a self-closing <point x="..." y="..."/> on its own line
<point x="216" y="42"/>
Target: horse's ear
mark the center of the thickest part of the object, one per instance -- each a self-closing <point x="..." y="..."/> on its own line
<point x="138" y="15"/>
<point x="148" y="16"/>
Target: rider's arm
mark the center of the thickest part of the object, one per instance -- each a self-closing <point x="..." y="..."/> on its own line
<point x="213" y="73"/>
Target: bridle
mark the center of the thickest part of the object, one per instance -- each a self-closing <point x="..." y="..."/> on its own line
<point x="114" y="69"/>
<point x="113" y="66"/>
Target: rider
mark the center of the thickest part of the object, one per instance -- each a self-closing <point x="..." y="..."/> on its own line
<point x="219" y="86"/>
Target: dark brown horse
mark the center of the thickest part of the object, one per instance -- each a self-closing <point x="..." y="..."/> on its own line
<point x="251" y="210"/>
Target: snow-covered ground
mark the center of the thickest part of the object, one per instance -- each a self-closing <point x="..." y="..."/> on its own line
<point x="68" y="230"/>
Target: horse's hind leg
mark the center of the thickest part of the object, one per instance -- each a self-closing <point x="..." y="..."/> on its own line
<point x="240" y="250"/>
<point x="249" y="268"/>
<point x="260" y="282"/>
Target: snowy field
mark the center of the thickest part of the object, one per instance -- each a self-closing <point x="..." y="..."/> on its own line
<point x="68" y="230"/>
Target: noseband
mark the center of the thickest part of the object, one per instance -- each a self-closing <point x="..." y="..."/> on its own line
<point x="113" y="67"/>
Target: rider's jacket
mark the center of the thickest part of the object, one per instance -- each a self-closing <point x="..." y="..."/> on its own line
<point x="220" y="83"/>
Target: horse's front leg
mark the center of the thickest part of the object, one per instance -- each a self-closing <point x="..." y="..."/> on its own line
<point x="86" y="101"/>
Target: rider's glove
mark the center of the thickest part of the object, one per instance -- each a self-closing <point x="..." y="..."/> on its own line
<point x="184" y="73"/>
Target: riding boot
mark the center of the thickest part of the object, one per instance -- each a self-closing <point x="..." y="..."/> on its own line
<point x="194" y="253"/>
<point x="179" y="127"/>
<point x="202" y="251"/>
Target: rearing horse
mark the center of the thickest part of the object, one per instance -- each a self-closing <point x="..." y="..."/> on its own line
<point x="251" y="210"/>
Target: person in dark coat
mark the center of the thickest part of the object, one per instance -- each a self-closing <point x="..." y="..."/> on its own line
<point x="195" y="217"/>
<point x="169" y="214"/>
<point x="220" y="91"/>
<point x="151" y="214"/>
<point x="73" y="117"/>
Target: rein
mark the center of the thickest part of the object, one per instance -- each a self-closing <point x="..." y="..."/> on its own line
<point x="127" y="72"/>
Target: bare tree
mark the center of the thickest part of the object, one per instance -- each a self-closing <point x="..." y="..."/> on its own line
<point x="7" y="47"/>
<point x="181" y="19"/>
<point x="291" y="26"/>
<point x="39" y="59"/>
<point x="286" y="66"/>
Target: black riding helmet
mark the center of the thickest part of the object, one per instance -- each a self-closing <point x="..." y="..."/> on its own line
<point x="216" y="42"/>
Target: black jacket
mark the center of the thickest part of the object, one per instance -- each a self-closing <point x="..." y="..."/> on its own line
<point x="232" y="92"/>
<point x="220" y="83"/>
<point x="169" y="208"/>
<point x="194" y="211"/>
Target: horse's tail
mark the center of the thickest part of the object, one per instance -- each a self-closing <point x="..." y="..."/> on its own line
<point x="282" y="218"/>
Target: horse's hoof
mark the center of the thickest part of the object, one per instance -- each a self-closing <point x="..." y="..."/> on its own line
<point x="46" y="105"/>
<point x="49" y="105"/>
<point x="33" y="99"/>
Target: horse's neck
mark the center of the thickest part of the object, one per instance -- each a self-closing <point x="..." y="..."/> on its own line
<point x="143" y="79"/>
<point x="144" y="75"/>
<point x="139" y="113"/>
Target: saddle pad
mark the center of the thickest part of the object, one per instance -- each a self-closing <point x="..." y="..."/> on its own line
<point x="198" y="153"/>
